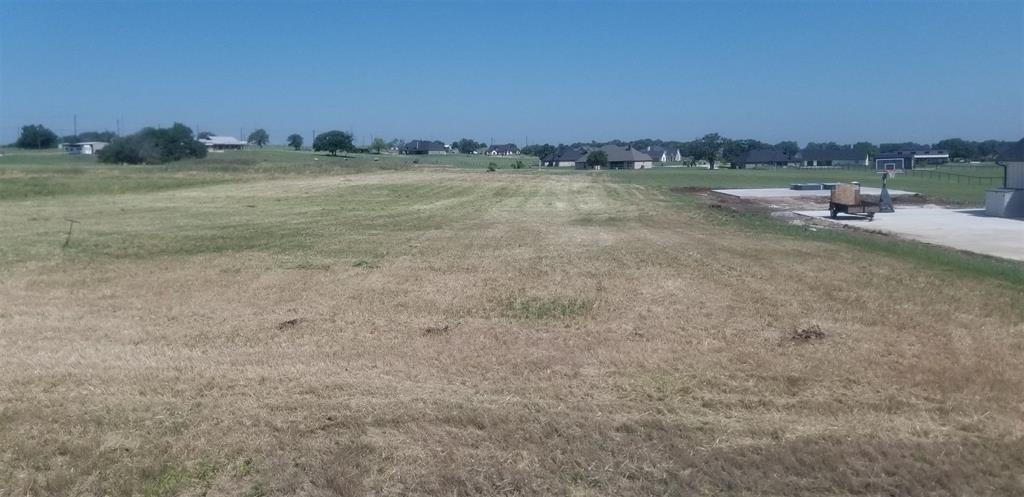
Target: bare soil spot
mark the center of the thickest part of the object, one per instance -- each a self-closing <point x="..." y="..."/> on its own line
<point x="291" y="323"/>
<point x="807" y="334"/>
<point x="436" y="330"/>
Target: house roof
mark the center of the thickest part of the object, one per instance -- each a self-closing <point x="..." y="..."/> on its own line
<point x="763" y="156"/>
<point x="908" y="154"/>
<point x="423" y="146"/>
<point x="1013" y="153"/>
<point x="843" y="154"/>
<point x="221" y="140"/>
<point x="82" y="144"/>
<point x="618" y="154"/>
<point x="569" y="154"/>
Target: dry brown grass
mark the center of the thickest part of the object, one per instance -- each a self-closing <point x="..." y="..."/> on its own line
<point x="602" y="340"/>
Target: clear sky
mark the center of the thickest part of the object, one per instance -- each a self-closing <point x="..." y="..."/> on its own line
<point x="512" y="72"/>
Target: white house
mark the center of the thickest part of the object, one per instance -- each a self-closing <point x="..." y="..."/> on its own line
<point x="659" y="154"/>
<point x="84" y="148"/>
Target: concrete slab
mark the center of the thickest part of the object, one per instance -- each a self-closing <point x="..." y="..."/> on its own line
<point x="962" y="229"/>
<point x="787" y="193"/>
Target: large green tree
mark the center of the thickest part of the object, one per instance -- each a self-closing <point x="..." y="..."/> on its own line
<point x="154" y="146"/>
<point x="333" y="142"/>
<point x="708" y="148"/>
<point x="790" y="148"/>
<point x="597" y="158"/>
<point x="295" y="141"/>
<point x="90" y="136"/>
<point x="36" y="136"/>
<point x="259" y="137"/>
<point x="866" y="148"/>
<point x="958" y="148"/>
<point x="538" y="150"/>
<point x="734" y="149"/>
<point x="378" y="145"/>
<point x="467" y="146"/>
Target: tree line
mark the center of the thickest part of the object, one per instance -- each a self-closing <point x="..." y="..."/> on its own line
<point x="715" y="148"/>
<point x="149" y="145"/>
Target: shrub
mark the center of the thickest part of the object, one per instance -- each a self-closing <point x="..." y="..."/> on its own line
<point x="154" y="146"/>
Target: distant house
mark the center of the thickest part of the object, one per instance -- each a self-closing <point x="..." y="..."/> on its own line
<point x="214" y="142"/>
<point x="424" y="147"/>
<point x="480" y="151"/>
<point x="506" y="149"/>
<point x="565" y="157"/>
<point x="910" y="159"/>
<point x="84" y="148"/>
<point x="832" y="158"/>
<point x="618" y="158"/>
<point x="764" y="157"/>
<point x="659" y="154"/>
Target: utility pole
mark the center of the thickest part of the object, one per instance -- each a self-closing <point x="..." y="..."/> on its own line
<point x="118" y="125"/>
<point x="76" y="126"/>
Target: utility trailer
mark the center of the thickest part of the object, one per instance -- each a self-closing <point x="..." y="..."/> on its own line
<point x="845" y="199"/>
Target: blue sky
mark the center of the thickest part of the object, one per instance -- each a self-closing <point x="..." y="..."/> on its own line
<point x="512" y="72"/>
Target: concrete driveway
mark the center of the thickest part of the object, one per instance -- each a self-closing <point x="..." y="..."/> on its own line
<point x="749" y="193"/>
<point x="963" y="229"/>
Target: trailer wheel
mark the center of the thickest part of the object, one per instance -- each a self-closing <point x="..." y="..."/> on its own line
<point x="833" y="212"/>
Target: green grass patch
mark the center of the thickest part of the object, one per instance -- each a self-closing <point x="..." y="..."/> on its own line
<point x="535" y="308"/>
<point x="174" y="480"/>
<point x="600" y="220"/>
<point x="95" y="182"/>
<point x="935" y="187"/>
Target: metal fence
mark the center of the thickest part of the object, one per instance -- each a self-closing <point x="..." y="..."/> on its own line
<point x="966" y="179"/>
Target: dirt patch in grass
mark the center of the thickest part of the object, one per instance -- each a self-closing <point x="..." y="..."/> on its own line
<point x="807" y="334"/>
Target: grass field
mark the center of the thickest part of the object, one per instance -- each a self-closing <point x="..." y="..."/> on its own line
<point x="275" y="323"/>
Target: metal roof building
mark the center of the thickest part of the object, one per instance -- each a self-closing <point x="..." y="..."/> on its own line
<point x="214" y="142"/>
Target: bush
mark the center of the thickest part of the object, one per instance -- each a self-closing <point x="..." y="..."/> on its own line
<point x="491" y="168"/>
<point x="518" y="165"/>
<point x="154" y="146"/>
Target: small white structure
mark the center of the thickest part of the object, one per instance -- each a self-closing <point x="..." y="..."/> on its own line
<point x="222" y="143"/>
<point x="84" y="148"/>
